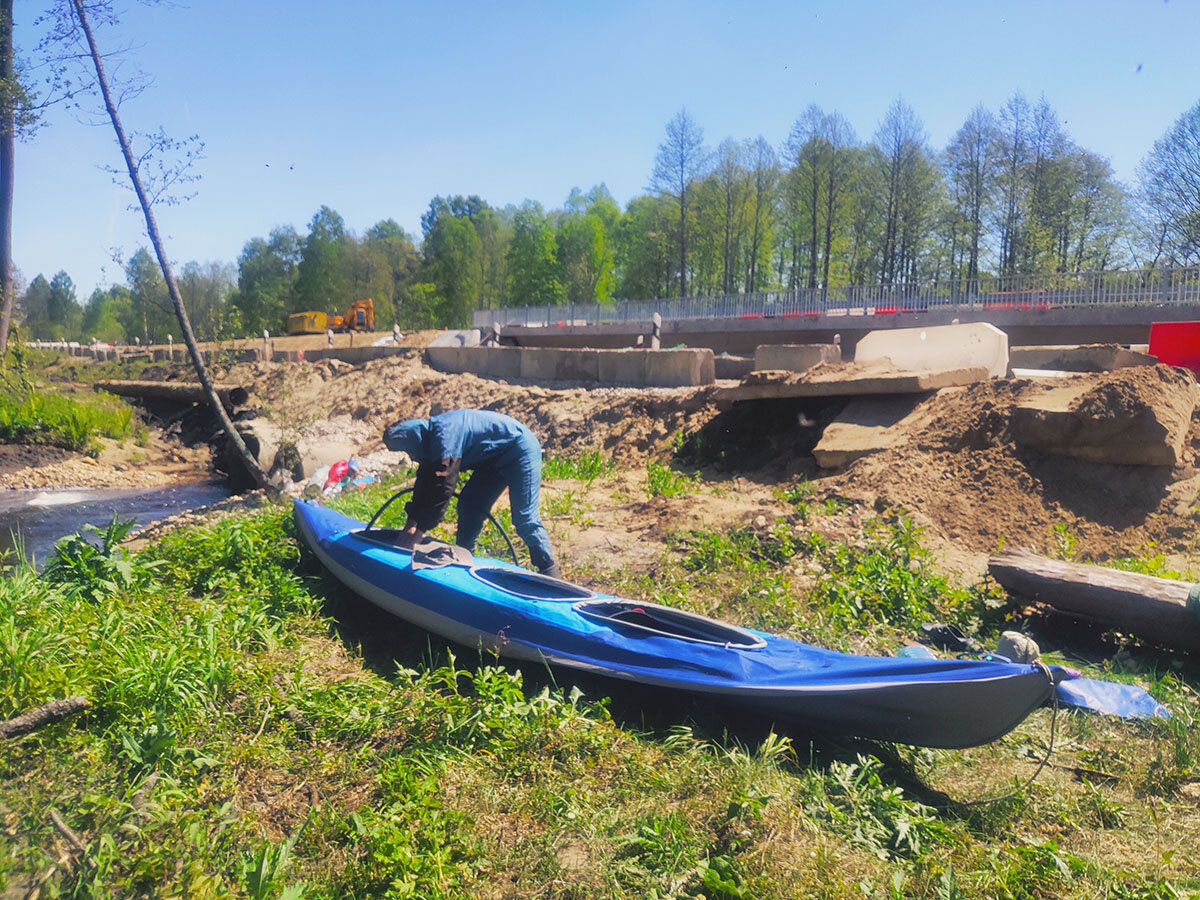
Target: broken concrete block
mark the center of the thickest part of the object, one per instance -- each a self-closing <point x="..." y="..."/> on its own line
<point x="1081" y="358"/>
<point x="1135" y="416"/>
<point x="940" y="346"/>
<point x="846" y="381"/>
<point x="865" y="426"/>
<point x="795" y="357"/>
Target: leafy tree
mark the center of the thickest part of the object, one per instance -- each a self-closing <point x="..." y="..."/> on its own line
<point x="533" y="269"/>
<point x="104" y="312"/>
<point x="764" y="182"/>
<point x="972" y="167"/>
<point x="35" y="304"/>
<point x="206" y="291"/>
<point x="1013" y="151"/>
<point x="62" y="308"/>
<point x="267" y="272"/>
<point x="585" y="247"/>
<point x="150" y="316"/>
<point x="680" y="160"/>
<point x="1169" y="185"/>
<point x="323" y="281"/>
<point x="643" y="248"/>
<point x="909" y="178"/>
<point x="452" y="263"/>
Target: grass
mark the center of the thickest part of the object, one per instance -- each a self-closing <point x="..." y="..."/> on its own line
<point x="663" y="481"/>
<point x="29" y="417"/>
<point x="255" y="731"/>
<point x="586" y="467"/>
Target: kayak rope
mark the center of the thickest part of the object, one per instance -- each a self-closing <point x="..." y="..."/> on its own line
<point x="1021" y="788"/>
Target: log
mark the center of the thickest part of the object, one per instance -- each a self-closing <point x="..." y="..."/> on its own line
<point x="1154" y="609"/>
<point x="47" y="713"/>
<point x="180" y="391"/>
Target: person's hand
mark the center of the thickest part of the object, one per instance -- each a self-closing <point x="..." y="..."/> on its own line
<point x="410" y="537"/>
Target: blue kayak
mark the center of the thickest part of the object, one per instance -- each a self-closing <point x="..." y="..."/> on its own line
<point x="493" y="605"/>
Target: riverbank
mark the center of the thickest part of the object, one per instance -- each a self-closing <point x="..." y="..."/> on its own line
<point x="155" y="463"/>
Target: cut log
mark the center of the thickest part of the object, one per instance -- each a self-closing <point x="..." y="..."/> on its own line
<point x="1154" y="609"/>
<point x="47" y="713"/>
<point x="181" y="391"/>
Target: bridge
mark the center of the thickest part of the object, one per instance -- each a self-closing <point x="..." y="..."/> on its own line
<point x="1080" y="308"/>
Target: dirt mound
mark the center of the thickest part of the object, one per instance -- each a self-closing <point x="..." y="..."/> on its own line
<point x="626" y="422"/>
<point x="965" y="473"/>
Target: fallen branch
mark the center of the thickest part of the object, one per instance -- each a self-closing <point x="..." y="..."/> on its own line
<point x="71" y="836"/>
<point x="46" y="714"/>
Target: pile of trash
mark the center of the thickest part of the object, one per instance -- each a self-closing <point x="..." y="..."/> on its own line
<point x="333" y="479"/>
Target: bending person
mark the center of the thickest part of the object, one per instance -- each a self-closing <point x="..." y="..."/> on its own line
<point x="500" y="452"/>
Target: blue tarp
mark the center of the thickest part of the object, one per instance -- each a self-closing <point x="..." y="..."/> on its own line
<point x="1125" y="700"/>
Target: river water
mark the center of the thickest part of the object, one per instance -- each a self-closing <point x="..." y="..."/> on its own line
<point x="36" y="519"/>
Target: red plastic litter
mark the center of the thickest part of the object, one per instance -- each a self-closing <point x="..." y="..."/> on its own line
<point x="1176" y="344"/>
<point x="337" y="472"/>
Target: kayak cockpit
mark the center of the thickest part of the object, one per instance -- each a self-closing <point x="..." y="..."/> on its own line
<point x="657" y="620"/>
<point x="530" y="585"/>
<point x="389" y="537"/>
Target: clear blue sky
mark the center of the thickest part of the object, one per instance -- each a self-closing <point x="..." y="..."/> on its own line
<point x="372" y="107"/>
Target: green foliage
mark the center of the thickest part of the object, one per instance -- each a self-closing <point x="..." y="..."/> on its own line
<point x="586" y="466"/>
<point x="1149" y="563"/>
<point x="92" y="573"/>
<point x="738" y="548"/>
<point x="885" y="577"/>
<point x="663" y="481"/>
<point x="871" y="814"/>
<point x="31" y="417"/>
<point x="796" y="494"/>
<point x="1063" y="542"/>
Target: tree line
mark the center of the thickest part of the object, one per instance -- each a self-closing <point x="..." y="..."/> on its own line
<point x="1011" y="193"/>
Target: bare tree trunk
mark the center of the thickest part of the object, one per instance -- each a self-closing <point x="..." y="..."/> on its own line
<point x="7" y="155"/>
<point x="231" y="433"/>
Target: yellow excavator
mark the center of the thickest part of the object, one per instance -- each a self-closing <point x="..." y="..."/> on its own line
<point x="359" y="316"/>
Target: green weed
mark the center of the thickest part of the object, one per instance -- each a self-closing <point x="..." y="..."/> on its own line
<point x="871" y="814"/>
<point x="92" y="572"/>
<point x="585" y="467"/>
<point x="662" y="481"/>
<point x="885" y="577"/>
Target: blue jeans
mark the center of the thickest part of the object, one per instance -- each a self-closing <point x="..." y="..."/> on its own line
<point x="520" y="470"/>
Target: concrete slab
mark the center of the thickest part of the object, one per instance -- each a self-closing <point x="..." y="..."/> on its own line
<point x="679" y="368"/>
<point x="1044" y="373"/>
<point x="938" y="347"/>
<point x="865" y="426"/>
<point x="1078" y="358"/>
<point x="622" y="366"/>
<point x="795" y="357"/>
<point x="1143" y="424"/>
<point x="849" y="381"/>
<point x="726" y="366"/>
<point x="466" y="338"/>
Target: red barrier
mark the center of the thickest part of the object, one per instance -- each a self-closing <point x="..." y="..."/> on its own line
<point x="1176" y="344"/>
<point x="887" y="310"/>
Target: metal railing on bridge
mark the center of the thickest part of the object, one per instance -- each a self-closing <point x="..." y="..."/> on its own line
<point x="1165" y="286"/>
